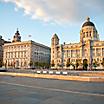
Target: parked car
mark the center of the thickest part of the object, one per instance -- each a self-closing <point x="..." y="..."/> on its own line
<point x="3" y="70"/>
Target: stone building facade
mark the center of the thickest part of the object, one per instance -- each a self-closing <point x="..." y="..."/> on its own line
<point x="90" y="49"/>
<point x="1" y="50"/>
<point x="2" y="42"/>
<point x="24" y="54"/>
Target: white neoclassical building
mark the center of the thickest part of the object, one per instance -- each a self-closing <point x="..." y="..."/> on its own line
<point x="24" y="54"/>
<point x="89" y="50"/>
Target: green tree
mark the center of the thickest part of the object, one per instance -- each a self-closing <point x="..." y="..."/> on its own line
<point x="95" y="64"/>
<point x="102" y="63"/>
<point x="52" y="64"/>
<point x="85" y="64"/>
<point x="1" y="63"/>
<point x="31" y="63"/>
<point x="36" y="64"/>
<point x="68" y="63"/>
<point x="45" y="65"/>
<point x="77" y="63"/>
<point x="41" y="64"/>
<point x="73" y="65"/>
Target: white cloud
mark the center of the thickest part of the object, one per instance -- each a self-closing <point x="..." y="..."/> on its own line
<point x="59" y="10"/>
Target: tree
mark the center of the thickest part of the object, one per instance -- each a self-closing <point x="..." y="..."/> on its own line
<point x="52" y="64"/>
<point x="95" y="64"/>
<point x="77" y="63"/>
<point x="102" y="63"/>
<point x="1" y="63"/>
<point x="85" y="64"/>
<point x="68" y="63"/>
<point x="36" y="64"/>
<point x="31" y="63"/>
<point x="41" y="64"/>
<point x="13" y="64"/>
<point x="46" y="65"/>
<point x="25" y="64"/>
<point x="73" y="65"/>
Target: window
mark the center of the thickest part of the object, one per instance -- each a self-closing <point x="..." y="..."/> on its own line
<point x="97" y="59"/>
<point x="73" y="53"/>
<point x="98" y="52"/>
<point x="103" y="51"/>
<point x="86" y="34"/>
<point x="83" y="34"/>
<point x="93" y="52"/>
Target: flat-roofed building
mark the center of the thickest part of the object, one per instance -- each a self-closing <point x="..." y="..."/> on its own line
<point x="25" y="54"/>
<point x="2" y="41"/>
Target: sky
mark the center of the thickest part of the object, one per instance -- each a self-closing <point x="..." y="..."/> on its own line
<point x="43" y="18"/>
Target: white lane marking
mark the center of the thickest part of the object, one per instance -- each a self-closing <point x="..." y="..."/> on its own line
<point x="52" y="89"/>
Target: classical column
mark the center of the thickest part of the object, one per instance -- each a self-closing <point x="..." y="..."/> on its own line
<point x="101" y="52"/>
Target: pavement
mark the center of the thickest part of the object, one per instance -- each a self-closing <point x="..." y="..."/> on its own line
<point x="24" y="90"/>
<point x="89" y="76"/>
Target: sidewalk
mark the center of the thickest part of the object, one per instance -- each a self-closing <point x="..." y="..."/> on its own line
<point x="59" y="77"/>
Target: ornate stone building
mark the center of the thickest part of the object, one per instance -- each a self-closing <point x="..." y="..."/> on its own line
<point x="24" y="54"/>
<point x="1" y="50"/>
<point x="2" y="41"/>
<point x="89" y="50"/>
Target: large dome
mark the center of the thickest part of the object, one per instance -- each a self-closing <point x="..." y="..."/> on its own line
<point x="88" y="23"/>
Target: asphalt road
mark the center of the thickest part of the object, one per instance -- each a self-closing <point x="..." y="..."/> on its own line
<point x="22" y="90"/>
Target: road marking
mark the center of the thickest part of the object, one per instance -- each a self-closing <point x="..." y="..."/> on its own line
<point x="52" y="89"/>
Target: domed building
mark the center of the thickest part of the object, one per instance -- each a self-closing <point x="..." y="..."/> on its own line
<point x="87" y="54"/>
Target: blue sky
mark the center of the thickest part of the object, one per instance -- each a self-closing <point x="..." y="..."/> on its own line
<point x="42" y="18"/>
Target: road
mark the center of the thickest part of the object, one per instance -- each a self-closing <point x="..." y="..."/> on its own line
<point x="22" y="90"/>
